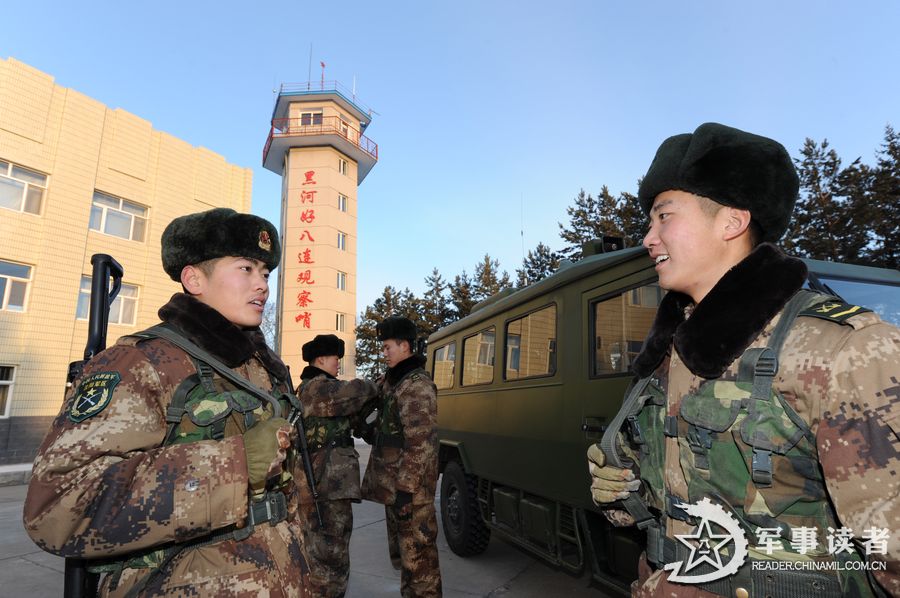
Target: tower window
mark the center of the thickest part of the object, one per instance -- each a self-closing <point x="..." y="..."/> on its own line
<point x="342" y="202"/>
<point x="311" y="118"/>
<point x="342" y="241"/>
<point x="340" y="322"/>
<point x="342" y="281"/>
<point x="342" y="166"/>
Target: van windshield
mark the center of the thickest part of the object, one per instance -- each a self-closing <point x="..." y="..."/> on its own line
<point x="883" y="299"/>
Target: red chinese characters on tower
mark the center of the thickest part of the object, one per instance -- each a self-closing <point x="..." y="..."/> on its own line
<point x="305" y="318"/>
<point x="308" y="216"/>
<point x="309" y="174"/>
<point x="305" y="277"/>
<point x="307" y="235"/>
<point x="305" y="257"/>
<point x="308" y="196"/>
<point x="304" y="298"/>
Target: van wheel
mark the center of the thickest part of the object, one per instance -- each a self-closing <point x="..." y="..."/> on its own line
<point x="464" y="528"/>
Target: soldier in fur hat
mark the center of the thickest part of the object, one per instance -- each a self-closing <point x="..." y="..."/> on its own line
<point x="163" y="472"/>
<point x="328" y="404"/>
<point x="778" y="405"/>
<point x="403" y="466"/>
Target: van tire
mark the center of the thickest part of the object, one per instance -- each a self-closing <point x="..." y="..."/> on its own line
<point x="464" y="529"/>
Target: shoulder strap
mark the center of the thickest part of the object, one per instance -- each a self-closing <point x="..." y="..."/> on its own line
<point x="166" y="333"/>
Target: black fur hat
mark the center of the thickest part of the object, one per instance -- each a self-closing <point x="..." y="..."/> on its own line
<point x="322" y="345"/>
<point x="398" y="328"/>
<point x="731" y="167"/>
<point x="220" y="232"/>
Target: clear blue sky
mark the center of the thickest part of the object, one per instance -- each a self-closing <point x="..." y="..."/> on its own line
<point x="490" y="114"/>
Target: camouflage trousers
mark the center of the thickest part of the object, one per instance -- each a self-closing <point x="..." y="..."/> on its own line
<point x="328" y="547"/>
<point x="413" y="549"/>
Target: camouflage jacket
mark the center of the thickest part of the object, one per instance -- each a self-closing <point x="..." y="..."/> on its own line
<point x="328" y="404"/>
<point x="409" y="401"/>
<point x="839" y="372"/>
<point x="103" y="487"/>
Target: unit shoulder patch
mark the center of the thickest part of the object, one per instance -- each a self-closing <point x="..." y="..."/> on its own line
<point x="834" y="311"/>
<point x="93" y="395"/>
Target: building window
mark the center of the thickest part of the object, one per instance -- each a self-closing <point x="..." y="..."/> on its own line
<point x="478" y="358"/>
<point x="123" y="309"/>
<point x="118" y="217"/>
<point x="342" y="166"/>
<point x="342" y="241"/>
<point x="342" y="281"/>
<point x="531" y="345"/>
<point x="340" y="322"/>
<point x="342" y="202"/>
<point x="21" y="189"/>
<point x="443" y="366"/>
<point x="620" y="325"/>
<point x="7" y="379"/>
<point x="311" y="118"/>
<point x="345" y="128"/>
<point x="14" y="282"/>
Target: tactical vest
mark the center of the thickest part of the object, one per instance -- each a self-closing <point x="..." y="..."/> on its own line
<point x="204" y="407"/>
<point x="388" y="426"/>
<point x="743" y="446"/>
<point x="325" y="432"/>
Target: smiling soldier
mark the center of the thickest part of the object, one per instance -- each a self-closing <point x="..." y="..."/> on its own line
<point x="777" y="406"/>
<point x="160" y="468"/>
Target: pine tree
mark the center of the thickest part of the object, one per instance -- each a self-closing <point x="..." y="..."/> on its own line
<point x="436" y="309"/>
<point x="631" y="220"/>
<point x="884" y="207"/>
<point x="461" y="296"/>
<point x="488" y="280"/>
<point x="589" y="219"/>
<point x="540" y="263"/>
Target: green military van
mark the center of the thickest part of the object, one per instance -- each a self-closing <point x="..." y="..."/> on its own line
<point x="532" y="377"/>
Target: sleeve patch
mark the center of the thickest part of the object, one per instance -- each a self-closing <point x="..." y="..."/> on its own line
<point x="93" y="395"/>
<point x="834" y="311"/>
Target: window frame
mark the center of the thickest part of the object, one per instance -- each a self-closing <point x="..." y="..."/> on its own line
<point x="27" y="185"/>
<point x="104" y="212"/>
<point x="462" y="370"/>
<point x="434" y="363"/>
<point x="343" y="167"/>
<point x="10" y="385"/>
<point x="340" y="322"/>
<point x="343" y="201"/>
<point x="342" y="241"/>
<point x="522" y="316"/>
<point x="313" y="115"/>
<point x="7" y="288"/>
<point x="120" y="298"/>
<point x="592" y="327"/>
<point x="341" y="281"/>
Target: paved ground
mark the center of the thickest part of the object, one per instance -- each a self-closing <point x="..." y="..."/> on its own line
<point x="26" y="571"/>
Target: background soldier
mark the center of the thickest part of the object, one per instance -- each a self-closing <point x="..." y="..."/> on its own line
<point x="403" y="466"/>
<point x="328" y="404"/>
<point x="152" y="458"/>
<point x="780" y="406"/>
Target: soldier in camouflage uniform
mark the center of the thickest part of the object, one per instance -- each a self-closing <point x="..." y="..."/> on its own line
<point x="403" y="466"/>
<point x="805" y="440"/>
<point x="328" y="404"/>
<point x="167" y="476"/>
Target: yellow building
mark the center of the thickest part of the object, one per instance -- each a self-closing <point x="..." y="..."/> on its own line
<point x="78" y="178"/>
<point x="316" y="144"/>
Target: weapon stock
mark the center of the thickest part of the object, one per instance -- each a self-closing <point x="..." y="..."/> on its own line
<point x="78" y="581"/>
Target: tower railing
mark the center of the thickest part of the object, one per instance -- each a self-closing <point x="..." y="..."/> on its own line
<point x="313" y="87"/>
<point x="317" y="124"/>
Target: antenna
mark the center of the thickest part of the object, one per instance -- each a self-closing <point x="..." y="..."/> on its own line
<point x="309" y="72"/>
<point x="522" y="230"/>
<point x="323" y="73"/>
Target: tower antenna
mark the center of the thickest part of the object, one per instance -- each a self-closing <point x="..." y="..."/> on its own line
<point x="309" y="72"/>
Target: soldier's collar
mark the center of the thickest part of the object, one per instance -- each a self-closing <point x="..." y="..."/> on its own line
<point x="206" y="327"/>
<point x="395" y="374"/>
<point x="312" y="371"/>
<point x="728" y="319"/>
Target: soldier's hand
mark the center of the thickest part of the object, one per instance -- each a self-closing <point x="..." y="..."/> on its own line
<point x="608" y="483"/>
<point x="266" y="446"/>
<point x="403" y="505"/>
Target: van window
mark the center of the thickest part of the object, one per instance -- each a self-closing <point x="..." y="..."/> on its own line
<point x="443" y="365"/>
<point x="531" y="345"/>
<point x="478" y="358"/>
<point x="620" y="325"/>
